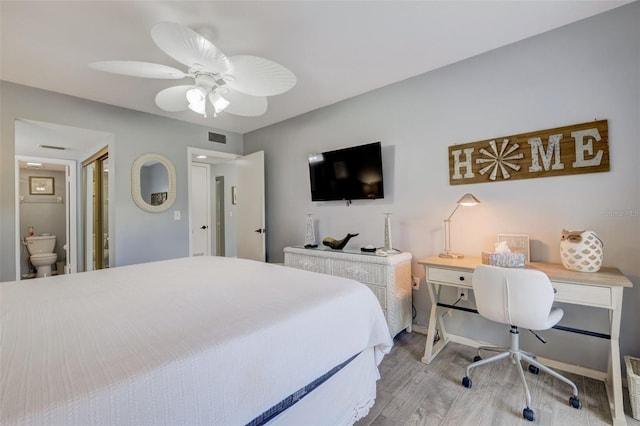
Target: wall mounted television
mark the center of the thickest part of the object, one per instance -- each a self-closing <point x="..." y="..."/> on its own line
<point x="353" y="173"/>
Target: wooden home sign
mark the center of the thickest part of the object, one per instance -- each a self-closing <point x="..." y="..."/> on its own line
<point x="570" y="150"/>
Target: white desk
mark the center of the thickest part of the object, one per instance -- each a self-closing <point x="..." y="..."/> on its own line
<point x="602" y="289"/>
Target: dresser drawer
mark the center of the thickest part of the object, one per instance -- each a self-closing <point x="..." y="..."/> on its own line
<point x="367" y="273"/>
<point x="381" y="294"/>
<point x="583" y="295"/>
<point x="308" y="263"/>
<point x="450" y="277"/>
<point x="388" y="277"/>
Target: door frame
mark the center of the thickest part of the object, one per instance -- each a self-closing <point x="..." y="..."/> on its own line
<point x="191" y="152"/>
<point x="71" y="171"/>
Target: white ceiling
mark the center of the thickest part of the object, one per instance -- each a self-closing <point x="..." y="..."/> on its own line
<point x="337" y="49"/>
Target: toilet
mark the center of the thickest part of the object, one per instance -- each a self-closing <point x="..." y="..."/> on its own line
<point x="42" y="256"/>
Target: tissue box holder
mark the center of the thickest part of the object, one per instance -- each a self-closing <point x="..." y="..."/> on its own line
<point x="507" y="260"/>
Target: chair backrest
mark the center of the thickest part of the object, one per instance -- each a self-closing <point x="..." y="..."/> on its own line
<point x="520" y="297"/>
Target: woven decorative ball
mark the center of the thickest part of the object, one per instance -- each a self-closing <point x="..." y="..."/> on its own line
<point x="584" y="255"/>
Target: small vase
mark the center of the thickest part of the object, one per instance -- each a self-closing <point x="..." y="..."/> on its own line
<point x="310" y="232"/>
<point x="387" y="232"/>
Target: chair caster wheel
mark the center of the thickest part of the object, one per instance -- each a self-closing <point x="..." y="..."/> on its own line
<point x="466" y="382"/>
<point x="528" y="414"/>
<point x="533" y="369"/>
<point x="477" y="358"/>
<point x="575" y="402"/>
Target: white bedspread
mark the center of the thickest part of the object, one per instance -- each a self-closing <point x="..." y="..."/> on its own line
<point x="202" y="340"/>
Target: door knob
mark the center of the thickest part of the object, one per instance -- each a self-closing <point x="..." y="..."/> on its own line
<point x="203" y="227"/>
<point x="260" y="230"/>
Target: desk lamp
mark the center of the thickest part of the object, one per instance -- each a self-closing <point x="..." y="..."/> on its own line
<point x="467" y="200"/>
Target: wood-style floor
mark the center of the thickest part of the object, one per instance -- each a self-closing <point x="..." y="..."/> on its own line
<point x="413" y="393"/>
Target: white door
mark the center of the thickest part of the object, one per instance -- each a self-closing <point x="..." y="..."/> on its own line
<point x="250" y="202"/>
<point x="200" y="209"/>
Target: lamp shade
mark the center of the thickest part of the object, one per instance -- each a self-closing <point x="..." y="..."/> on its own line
<point x="468" y="200"/>
<point x="219" y="103"/>
<point x="197" y="100"/>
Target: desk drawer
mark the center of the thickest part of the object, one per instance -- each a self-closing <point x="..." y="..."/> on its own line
<point x="583" y="295"/>
<point x="448" y="276"/>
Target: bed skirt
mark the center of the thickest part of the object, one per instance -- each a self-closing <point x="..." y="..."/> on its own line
<point x="342" y="400"/>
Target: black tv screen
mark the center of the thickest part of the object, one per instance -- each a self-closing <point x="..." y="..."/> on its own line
<point x="347" y="174"/>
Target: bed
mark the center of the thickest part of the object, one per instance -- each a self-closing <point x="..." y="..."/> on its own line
<point x="200" y="340"/>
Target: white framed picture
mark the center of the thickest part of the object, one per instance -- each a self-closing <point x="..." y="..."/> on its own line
<point x="517" y="243"/>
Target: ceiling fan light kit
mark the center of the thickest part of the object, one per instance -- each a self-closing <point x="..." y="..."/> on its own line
<point x="219" y="103"/>
<point x="238" y="85"/>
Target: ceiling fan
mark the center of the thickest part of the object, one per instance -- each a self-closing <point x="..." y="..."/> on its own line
<point x="238" y="85"/>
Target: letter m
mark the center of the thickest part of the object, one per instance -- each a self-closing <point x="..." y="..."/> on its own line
<point x="553" y="150"/>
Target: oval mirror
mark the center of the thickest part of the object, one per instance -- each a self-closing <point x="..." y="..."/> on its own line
<point x="153" y="182"/>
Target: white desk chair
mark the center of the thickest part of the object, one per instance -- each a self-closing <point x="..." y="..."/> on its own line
<point x="520" y="298"/>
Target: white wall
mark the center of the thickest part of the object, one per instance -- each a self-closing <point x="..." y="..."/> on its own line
<point x="139" y="236"/>
<point x="585" y="71"/>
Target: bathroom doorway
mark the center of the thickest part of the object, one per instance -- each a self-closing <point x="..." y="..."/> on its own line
<point x="45" y="205"/>
<point x="62" y="146"/>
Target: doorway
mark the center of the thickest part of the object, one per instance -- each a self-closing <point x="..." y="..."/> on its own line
<point x="46" y="209"/>
<point x="240" y="213"/>
<point x="220" y="229"/>
<point x="51" y="143"/>
<point x="95" y="207"/>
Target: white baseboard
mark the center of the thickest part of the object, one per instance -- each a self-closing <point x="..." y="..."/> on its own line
<point x="422" y="329"/>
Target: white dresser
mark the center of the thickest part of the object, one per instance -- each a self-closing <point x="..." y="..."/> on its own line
<point x="388" y="277"/>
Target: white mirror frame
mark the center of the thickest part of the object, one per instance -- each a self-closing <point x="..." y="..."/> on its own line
<point x="135" y="182"/>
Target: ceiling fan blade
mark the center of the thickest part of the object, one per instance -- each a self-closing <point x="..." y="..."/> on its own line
<point x="138" y="69"/>
<point x="188" y="47"/>
<point x="259" y="76"/>
<point x="174" y="98"/>
<point x="245" y="105"/>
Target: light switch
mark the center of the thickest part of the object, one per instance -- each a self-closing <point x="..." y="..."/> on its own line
<point x="176" y="215"/>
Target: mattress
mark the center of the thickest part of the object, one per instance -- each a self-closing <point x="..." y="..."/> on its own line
<point x="201" y="340"/>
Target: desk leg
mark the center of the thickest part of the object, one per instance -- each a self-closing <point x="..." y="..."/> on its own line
<point x="614" y="371"/>
<point x="431" y="349"/>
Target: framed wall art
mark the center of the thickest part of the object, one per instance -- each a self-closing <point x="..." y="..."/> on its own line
<point x="41" y="185"/>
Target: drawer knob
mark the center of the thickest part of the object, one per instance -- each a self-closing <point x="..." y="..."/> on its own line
<point x="461" y="278"/>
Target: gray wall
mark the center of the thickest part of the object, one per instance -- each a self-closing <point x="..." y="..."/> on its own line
<point x="139" y="236"/>
<point x="585" y="71"/>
